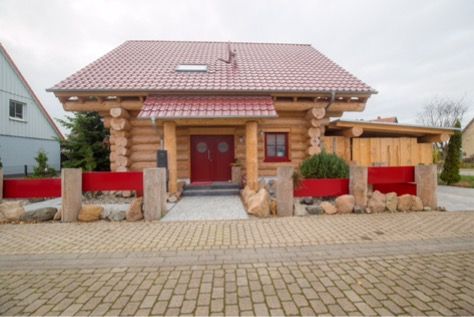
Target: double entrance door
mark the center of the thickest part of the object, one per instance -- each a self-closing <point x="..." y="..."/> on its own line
<point x="211" y="157"/>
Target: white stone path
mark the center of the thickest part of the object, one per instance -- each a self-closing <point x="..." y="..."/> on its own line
<point x="207" y="208"/>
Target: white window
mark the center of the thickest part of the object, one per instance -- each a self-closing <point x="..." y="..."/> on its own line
<point x="191" y="68"/>
<point x="17" y="110"/>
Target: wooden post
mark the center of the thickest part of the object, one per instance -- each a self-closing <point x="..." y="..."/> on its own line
<point x="284" y="191"/>
<point x="169" y="131"/>
<point x="358" y="186"/>
<point x="251" y="154"/>
<point x="1" y="184"/>
<point x="427" y="184"/>
<point x="154" y="193"/>
<point x="71" y="193"/>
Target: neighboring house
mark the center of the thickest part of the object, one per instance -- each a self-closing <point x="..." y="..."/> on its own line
<point x="212" y="105"/>
<point x="386" y="119"/>
<point x="25" y="126"/>
<point x="468" y="140"/>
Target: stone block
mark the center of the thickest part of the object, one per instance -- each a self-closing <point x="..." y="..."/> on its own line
<point x="426" y="185"/>
<point x="71" y="193"/>
<point x="358" y="184"/>
<point x="284" y="191"/>
<point x="154" y="193"/>
<point x="236" y="175"/>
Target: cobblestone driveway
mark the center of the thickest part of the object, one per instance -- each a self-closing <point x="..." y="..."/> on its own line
<point x="415" y="263"/>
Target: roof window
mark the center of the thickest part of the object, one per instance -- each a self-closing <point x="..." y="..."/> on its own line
<point x="191" y="68"/>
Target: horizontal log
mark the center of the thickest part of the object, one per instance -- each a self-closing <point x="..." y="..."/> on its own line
<point x="434" y="138"/>
<point x="138" y="166"/>
<point x="119" y="124"/>
<point x="297" y="105"/>
<point x="144" y="139"/>
<point x="141" y="122"/>
<point x="119" y="141"/>
<point x="315" y="142"/>
<point x="314" y="132"/>
<point x="143" y="156"/>
<point x="119" y="113"/>
<point x="122" y="169"/>
<point x="122" y="133"/>
<point x="315" y="113"/>
<point x="349" y="132"/>
<point x="122" y="160"/>
<point x="346" y="106"/>
<point x="318" y="123"/>
<point x="87" y="106"/>
<point x="313" y="150"/>
<point x="119" y="150"/>
<point x="106" y="121"/>
<point x="146" y="131"/>
<point x="145" y="147"/>
<point x="334" y="114"/>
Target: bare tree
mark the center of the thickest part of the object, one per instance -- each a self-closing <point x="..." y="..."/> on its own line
<point x="442" y="112"/>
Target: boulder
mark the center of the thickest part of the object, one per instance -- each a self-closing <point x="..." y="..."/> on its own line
<point x="41" y="214"/>
<point x="307" y="201"/>
<point x="405" y="202"/>
<point x="117" y="215"/>
<point x="114" y="212"/>
<point x="314" y="210"/>
<point x="90" y="213"/>
<point x="417" y="204"/>
<point x="427" y="208"/>
<point x="328" y="208"/>
<point x="11" y="210"/>
<point x="376" y="202"/>
<point x="300" y="208"/>
<point x="391" y="201"/>
<point x="259" y="204"/>
<point x="173" y="198"/>
<point x="58" y="215"/>
<point x="345" y="204"/>
<point x="135" y="211"/>
<point x="246" y="193"/>
<point x="359" y="209"/>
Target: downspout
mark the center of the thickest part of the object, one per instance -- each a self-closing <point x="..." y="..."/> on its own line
<point x="153" y="123"/>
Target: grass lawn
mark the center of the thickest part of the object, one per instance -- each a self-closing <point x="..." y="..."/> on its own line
<point x="466" y="181"/>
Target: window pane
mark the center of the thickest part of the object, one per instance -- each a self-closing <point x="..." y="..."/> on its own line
<point x="281" y="151"/>
<point x="19" y="111"/>
<point x="12" y="109"/>
<point x="270" y="151"/>
<point x="280" y="139"/>
<point x="271" y="139"/>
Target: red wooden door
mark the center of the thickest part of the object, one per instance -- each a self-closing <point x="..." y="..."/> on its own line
<point x="211" y="157"/>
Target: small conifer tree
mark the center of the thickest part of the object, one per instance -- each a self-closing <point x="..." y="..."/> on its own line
<point x="450" y="173"/>
<point x="43" y="169"/>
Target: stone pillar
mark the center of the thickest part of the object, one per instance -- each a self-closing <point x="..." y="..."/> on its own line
<point x="169" y="131"/>
<point x="358" y="185"/>
<point x="71" y="193"/>
<point x="154" y="193"/>
<point x="236" y="175"/>
<point x="1" y="184"/>
<point x="284" y="191"/>
<point x="426" y="178"/>
<point x="251" y="154"/>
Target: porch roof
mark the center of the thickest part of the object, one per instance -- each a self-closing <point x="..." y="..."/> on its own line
<point x="203" y="106"/>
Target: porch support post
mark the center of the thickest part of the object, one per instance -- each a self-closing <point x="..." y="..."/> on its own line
<point x="169" y="131"/>
<point x="71" y="193"/>
<point x="251" y="154"/>
<point x="426" y="178"/>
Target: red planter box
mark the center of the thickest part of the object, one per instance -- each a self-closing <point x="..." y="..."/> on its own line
<point x="31" y="188"/>
<point x="324" y="187"/>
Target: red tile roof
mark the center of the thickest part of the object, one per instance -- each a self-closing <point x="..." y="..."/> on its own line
<point x="151" y="66"/>
<point x="166" y="106"/>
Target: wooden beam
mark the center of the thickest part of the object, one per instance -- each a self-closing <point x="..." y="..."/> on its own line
<point x="334" y="114"/>
<point x="340" y="106"/>
<point x="251" y="154"/>
<point x="297" y="106"/>
<point x="417" y="131"/>
<point x="349" y="132"/>
<point x="119" y="113"/>
<point x="169" y="131"/>
<point x="434" y="138"/>
<point x="315" y="113"/>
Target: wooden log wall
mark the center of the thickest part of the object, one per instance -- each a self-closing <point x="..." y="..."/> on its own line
<point x="390" y="152"/>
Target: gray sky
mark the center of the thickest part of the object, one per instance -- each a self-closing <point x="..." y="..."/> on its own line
<point x="410" y="51"/>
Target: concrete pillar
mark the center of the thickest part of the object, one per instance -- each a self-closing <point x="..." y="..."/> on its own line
<point x="251" y="154"/>
<point x="284" y="191"/>
<point x="358" y="186"/>
<point x="169" y="131"/>
<point x="1" y="184"/>
<point x="154" y="193"/>
<point x="71" y="193"/>
<point x="426" y="178"/>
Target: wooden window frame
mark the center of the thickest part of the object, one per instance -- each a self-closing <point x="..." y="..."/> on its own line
<point x="15" y="104"/>
<point x="276" y="159"/>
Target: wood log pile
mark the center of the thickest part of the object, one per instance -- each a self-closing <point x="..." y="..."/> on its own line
<point x="317" y="122"/>
<point x="119" y="139"/>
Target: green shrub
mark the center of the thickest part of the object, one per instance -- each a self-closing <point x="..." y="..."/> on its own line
<point x="324" y="165"/>
<point x="43" y="169"/>
<point x="450" y="173"/>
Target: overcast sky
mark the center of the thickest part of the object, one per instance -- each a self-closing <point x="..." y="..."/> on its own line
<point x="410" y="51"/>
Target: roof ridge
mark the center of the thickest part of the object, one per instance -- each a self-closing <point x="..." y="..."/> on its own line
<point x="221" y="42"/>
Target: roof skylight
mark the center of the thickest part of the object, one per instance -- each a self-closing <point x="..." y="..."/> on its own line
<point x="191" y="68"/>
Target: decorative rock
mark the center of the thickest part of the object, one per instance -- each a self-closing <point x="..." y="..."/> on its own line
<point x="90" y="213"/>
<point x="376" y="202"/>
<point x="58" y="215"/>
<point x="41" y="214"/>
<point x="117" y="215"/>
<point x="246" y="193"/>
<point x="345" y="204"/>
<point x="405" y="202"/>
<point x="307" y="201"/>
<point x="11" y="211"/>
<point x="314" y="210"/>
<point x="259" y="204"/>
<point x="427" y="208"/>
<point x="300" y="209"/>
<point x="328" y="208"/>
<point x="391" y="201"/>
<point x="359" y="209"/>
<point x="417" y="204"/>
<point x="172" y="198"/>
<point x="135" y="212"/>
